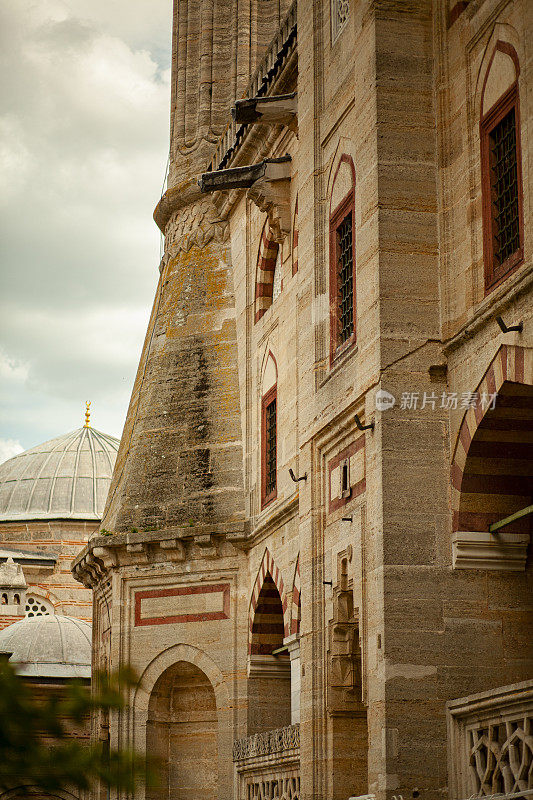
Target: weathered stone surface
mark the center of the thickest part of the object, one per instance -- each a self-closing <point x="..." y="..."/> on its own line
<point x="397" y="95"/>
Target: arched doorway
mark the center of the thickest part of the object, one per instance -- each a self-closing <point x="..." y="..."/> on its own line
<point x="182" y="733"/>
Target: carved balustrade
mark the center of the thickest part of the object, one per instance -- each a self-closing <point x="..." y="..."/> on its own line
<point x="267" y="765"/>
<point x="490" y="739"/>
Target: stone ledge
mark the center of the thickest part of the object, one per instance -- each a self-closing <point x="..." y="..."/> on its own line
<point x="268" y="667"/>
<point x="506" y="552"/>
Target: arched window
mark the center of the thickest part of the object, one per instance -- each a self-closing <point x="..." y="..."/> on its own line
<point x="342" y="259"/>
<point x="4" y="600"/>
<point x="37" y="606"/>
<point x="269" y="432"/>
<point x="501" y="170"/>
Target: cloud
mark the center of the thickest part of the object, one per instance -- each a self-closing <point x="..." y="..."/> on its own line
<point x="83" y="146"/>
<point x="9" y="448"/>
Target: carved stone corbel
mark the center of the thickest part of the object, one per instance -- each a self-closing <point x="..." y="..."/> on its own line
<point x="268" y="184"/>
<point x="174" y="549"/>
<point x="272" y="194"/>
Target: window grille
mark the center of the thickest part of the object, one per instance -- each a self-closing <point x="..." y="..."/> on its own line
<point x="345" y="279"/>
<point x="340" y="11"/>
<point x="270" y="448"/>
<point x="504" y="189"/>
<point x="35" y="607"/>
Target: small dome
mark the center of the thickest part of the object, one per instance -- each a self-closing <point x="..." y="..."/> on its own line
<point x="65" y="478"/>
<point x="49" y="647"/>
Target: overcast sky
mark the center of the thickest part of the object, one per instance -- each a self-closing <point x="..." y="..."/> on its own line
<point x="83" y="149"/>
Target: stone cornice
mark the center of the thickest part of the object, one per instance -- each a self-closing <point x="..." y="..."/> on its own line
<point x="104" y="552"/>
<point x="269" y="521"/>
<point x="491" y="306"/>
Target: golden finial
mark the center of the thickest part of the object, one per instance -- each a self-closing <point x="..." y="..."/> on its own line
<point x="87" y="413"/>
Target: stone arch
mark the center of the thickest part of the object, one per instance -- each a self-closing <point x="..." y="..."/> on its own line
<point x="269" y="371"/>
<point x="168" y="657"/>
<point x="267" y="256"/>
<point x="267" y="567"/>
<point x="296" y="599"/>
<point x="506" y="39"/>
<point x="343" y="182"/>
<point x="269" y="667"/>
<point x="505" y="52"/>
<point x="152" y="678"/>
<point x="511" y="366"/>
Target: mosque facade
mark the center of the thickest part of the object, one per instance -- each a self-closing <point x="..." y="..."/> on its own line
<point x="316" y="547"/>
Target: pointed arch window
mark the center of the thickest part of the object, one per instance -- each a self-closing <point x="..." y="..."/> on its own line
<point x="503" y="234"/>
<point x="270" y="446"/>
<point x="269" y="433"/>
<point x="342" y="259"/>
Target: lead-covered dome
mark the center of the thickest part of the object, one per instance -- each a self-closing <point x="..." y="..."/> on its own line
<point x="65" y="478"/>
<point x="51" y="646"/>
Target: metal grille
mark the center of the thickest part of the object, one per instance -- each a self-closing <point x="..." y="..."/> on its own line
<point x="270" y="465"/>
<point x="504" y="188"/>
<point x="345" y="267"/>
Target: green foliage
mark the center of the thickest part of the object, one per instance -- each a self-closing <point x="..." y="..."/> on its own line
<point x="36" y="744"/>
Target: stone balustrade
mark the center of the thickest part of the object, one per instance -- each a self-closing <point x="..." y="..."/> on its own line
<point x="490" y="738"/>
<point x="267" y="765"/>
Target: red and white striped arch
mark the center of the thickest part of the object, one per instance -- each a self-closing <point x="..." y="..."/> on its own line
<point x="511" y="363"/>
<point x="266" y="266"/>
<point x="268" y="567"/>
<point x="296" y="599"/>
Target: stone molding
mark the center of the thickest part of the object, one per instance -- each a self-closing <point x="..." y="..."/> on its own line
<point x="506" y="552"/>
<point x="267" y="743"/>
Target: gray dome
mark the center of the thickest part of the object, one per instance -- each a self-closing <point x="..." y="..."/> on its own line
<point x="50" y="646"/>
<point x="65" y="478"/>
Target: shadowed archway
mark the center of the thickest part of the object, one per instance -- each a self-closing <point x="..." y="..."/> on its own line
<point x="181" y="733"/>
